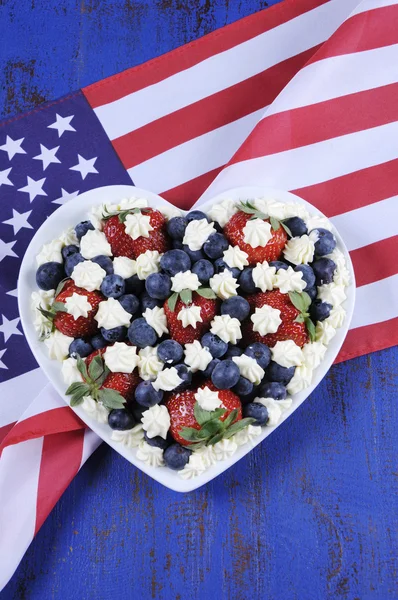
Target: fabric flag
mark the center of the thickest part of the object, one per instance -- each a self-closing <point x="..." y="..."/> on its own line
<point x="300" y="96"/>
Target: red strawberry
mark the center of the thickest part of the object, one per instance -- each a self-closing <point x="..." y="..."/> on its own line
<point x="124" y="383"/>
<point x="271" y="251"/>
<point x="289" y="329"/>
<point x="122" y="244"/>
<point x="181" y="410"/>
<point x="82" y="326"/>
<point x="186" y="335"/>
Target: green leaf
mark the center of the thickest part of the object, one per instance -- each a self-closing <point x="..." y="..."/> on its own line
<point x="216" y="438"/>
<point x="96" y="368"/>
<point x="186" y="296"/>
<point x="74" y="387"/>
<point x="172" y="301"/>
<point x="59" y="307"/>
<point x="60" y="286"/>
<point x="310" y="328"/>
<point x="49" y="315"/>
<point x="79" y="394"/>
<point x="301" y="300"/>
<point x="299" y="318"/>
<point x="100" y="380"/>
<point x="238" y="426"/>
<point x="275" y="224"/>
<point x="75" y="400"/>
<point x="286" y="228"/>
<point x="212" y="427"/>
<point x="231" y="418"/>
<point x="111" y="398"/>
<point x="201" y="415"/>
<point x="190" y="434"/>
<point x="206" y="293"/>
<point x="82" y="368"/>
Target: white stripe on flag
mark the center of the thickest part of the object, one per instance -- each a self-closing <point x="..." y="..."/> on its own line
<point x="372" y="4"/>
<point x="16" y="394"/>
<point x="376" y="302"/>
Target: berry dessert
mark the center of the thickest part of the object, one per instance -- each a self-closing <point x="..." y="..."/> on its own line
<point x="187" y="334"/>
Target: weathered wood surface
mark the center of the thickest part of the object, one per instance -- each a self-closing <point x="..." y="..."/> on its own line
<point x="309" y="515"/>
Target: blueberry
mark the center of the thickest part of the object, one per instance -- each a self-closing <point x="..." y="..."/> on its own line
<point x="116" y="334"/>
<point x="296" y="225"/>
<point x="233" y="351"/>
<point x="326" y="242"/>
<point x="120" y="419"/>
<point x="324" y="269"/>
<point x="67" y="251"/>
<point x="272" y="389"/>
<point x="104" y="262"/>
<point x="220" y="265"/>
<point x="146" y="395"/>
<point x="185" y="374"/>
<point x="82" y="228"/>
<point x="49" y="275"/>
<point x="319" y="311"/>
<point x="280" y="374"/>
<point x="246" y="282"/>
<point x="136" y="410"/>
<point x="278" y="264"/>
<point x="158" y="286"/>
<point x="80" y="348"/>
<point x="176" y="457"/>
<point x="170" y="352"/>
<point x="203" y="269"/>
<point x="244" y="387"/>
<point x="148" y="302"/>
<point x="113" y="286"/>
<point x="196" y="215"/>
<point x="71" y="262"/>
<point x="177" y="244"/>
<point x="176" y="227"/>
<point x="215" y="245"/>
<point x="134" y="285"/>
<point x="157" y="441"/>
<point x="130" y="303"/>
<point x="236" y="307"/>
<point x="260" y="352"/>
<point x="210" y="367"/>
<point x="141" y="334"/>
<point x="225" y="375"/>
<point x="312" y="292"/>
<point x="215" y="345"/>
<point x="194" y="255"/>
<point x="308" y="275"/>
<point x="257" y="411"/>
<point x="98" y="342"/>
<point x="175" y="261"/>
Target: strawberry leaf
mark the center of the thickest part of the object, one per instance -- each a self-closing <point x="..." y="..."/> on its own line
<point x="216" y="438"/>
<point x="238" y="426"/>
<point x="96" y="368"/>
<point x="186" y="296"/>
<point x="79" y="394"/>
<point x="101" y="379"/>
<point x="60" y="286"/>
<point x="310" y="328"/>
<point x="202" y="416"/>
<point x="75" y="400"/>
<point x="59" y="307"/>
<point x="301" y="300"/>
<point x="275" y="224"/>
<point x="299" y="318"/>
<point x="212" y="427"/>
<point x="206" y="293"/>
<point x="172" y="301"/>
<point x="74" y="387"/>
<point x="111" y="398"/>
<point x="190" y="434"/>
<point x="230" y="419"/>
<point x="46" y="313"/>
<point x="286" y="228"/>
<point x="82" y="368"/>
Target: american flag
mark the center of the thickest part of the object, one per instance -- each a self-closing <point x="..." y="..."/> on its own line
<point x="301" y="97"/>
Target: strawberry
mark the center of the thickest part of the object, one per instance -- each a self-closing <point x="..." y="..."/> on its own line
<point x="123" y="244"/>
<point x="208" y="310"/>
<point x="294" y="321"/>
<point x="185" y="412"/>
<point x="271" y="251"/>
<point x="123" y="383"/>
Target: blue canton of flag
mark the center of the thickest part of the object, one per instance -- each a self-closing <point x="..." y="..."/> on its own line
<point x="47" y="157"/>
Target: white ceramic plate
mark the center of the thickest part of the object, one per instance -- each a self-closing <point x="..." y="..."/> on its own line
<point x="77" y="210"/>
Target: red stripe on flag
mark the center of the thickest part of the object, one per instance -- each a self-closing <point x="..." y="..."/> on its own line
<point x="4" y="432"/>
<point x="151" y="72"/>
<point x="370" y="338"/>
<point x="375" y="261"/>
<point x="60" y="461"/>
<point x="186" y="194"/>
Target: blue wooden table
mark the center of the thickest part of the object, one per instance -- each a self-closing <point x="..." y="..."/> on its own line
<point x="309" y="515"/>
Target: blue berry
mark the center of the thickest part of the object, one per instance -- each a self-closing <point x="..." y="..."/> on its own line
<point x="49" y="275"/>
<point x="319" y="311"/>
<point x="278" y="264"/>
<point x="176" y="457"/>
<point x="177" y="244"/>
<point x="146" y="395"/>
<point x="324" y="269"/>
<point x="98" y="341"/>
<point x="148" y="302"/>
<point x="312" y="292"/>
<point x="220" y="265"/>
<point x="216" y="346"/>
<point x="176" y="227"/>
<point x="260" y="352"/>
<point x="80" y="348"/>
<point x="71" y="262"/>
<point x="257" y="411"/>
<point x="308" y="275"/>
<point x="104" y="262"/>
<point x="246" y="282"/>
<point x="225" y="375"/>
<point x="113" y="286"/>
<point x="244" y="387"/>
<point x="67" y="251"/>
<point x="215" y="245"/>
<point x="141" y="334"/>
<point x="272" y="389"/>
<point x="82" y="228"/>
<point x="326" y="242"/>
<point x="175" y="261"/>
<point x="194" y="255"/>
<point x="134" y="285"/>
<point x="136" y="410"/>
<point x="116" y="334"/>
<point x="280" y="374"/>
<point x="120" y="419"/>
<point x="170" y="352"/>
<point x="296" y="225"/>
<point x="196" y="215"/>
<point x="185" y="374"/>
<point x="157" y="441"/>
<point x="236" y="307"/>
<point x="210" y="367"/>
<point x="158" y="286"/>
<point x="130" y="303"/>
<point x="203" y="269"/>
<point x="233" y="351"/>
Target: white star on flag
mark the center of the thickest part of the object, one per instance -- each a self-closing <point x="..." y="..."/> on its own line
<point x="13" y="293"/>
<point x="47" y="156"/>
<point x="62" y="124"/>
<point x="2" y="365"/>
<point x="65" y="197"/>
<point x="4" y="180"/>
<point x="34" y="188"/>
<point x="9" y="328"/>
<point x="85" y="166"/>
<point x="13" y="147"/>
<point x="6" y="249"/>
<point x="19" y="220"/>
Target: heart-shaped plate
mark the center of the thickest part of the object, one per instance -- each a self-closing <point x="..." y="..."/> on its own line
<point x="71" y="213"/>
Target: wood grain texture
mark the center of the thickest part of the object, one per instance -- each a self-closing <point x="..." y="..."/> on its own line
<point x="311" y="514"/>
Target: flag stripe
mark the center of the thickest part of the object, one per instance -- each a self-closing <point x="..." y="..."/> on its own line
<point x="182" y="195"/>
<point x="367" y="339"/>
<point x="375" y="261"/>
<point x="4" y="432"/>
<point x="376" y="302"/>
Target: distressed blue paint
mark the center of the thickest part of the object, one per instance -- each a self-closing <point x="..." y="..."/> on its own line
<point x="309" y="515"/>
